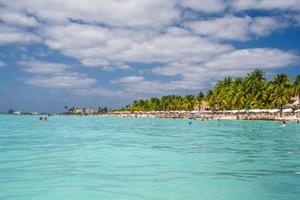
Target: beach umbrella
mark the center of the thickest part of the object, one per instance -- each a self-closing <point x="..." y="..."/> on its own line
<point x="274" y="111"/>
<point x="264" y="110"/>
<point x="207" y="111"/>
<point x="287" y="110"/>
<point x="255" y="110"/>
<point x="234" y="111"/>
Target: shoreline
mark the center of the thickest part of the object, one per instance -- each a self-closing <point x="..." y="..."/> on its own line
<point x="208" y="115"/>
<point x="185" y="115"/>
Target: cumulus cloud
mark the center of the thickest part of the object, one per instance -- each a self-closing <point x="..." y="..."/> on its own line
<point x="100" y="91"/>
<point x="10" y="35"/>
<point x="16" y="18"/>
<point x="266" y="4"/>
<point x="107" y="47"/>
<point x="210" y="6"/>
<point x="38" y="67"/>
<point x="262" y="26"/>
<point x="130" y="79"/>
<point x="73" y="80"/>
<point x="238" y="60"/>
<point x="254" y="58"/>
<point x="123" y="35"/>
<point x="55" y="75"/>
<point x="235" y="28"/>
<point x="154" y="13"/>
<point x="235" y="63"/>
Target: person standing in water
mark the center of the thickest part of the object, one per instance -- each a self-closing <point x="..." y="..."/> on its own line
<point x="282" y="124"/>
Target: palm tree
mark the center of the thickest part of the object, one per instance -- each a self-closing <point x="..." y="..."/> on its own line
<point x="200" y="99"/>
<point x="281" y="91"/>
<point x="221" y="93"/>
<point x="296" y="88"/>
<point x="211" y="99"/>
<point x="190" y="102"/>
<point x="236" y="93"/>
<point x="154" y="104"/>
<point x="255" y="88"/>
<point x="252" y="91"/>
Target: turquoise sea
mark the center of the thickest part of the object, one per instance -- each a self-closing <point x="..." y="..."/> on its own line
<point x="88" y="158"/>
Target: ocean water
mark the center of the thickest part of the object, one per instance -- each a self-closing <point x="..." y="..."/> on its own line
<point x="87" y="158"/>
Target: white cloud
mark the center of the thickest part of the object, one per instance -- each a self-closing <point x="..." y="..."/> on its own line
<point x="262" y="26"/>
<point x="154" y="13"/>
<point x="264" y="58"/>
<point x="129" y="79"/>
<point x="18" y="19"/>
<point x="229" y="27"/>
<point x="266" y="4"/>
<point x="113" y="34"/>
<point x="236" y="28"/>
<point x="238" y="60"/>
<point x="108" y="47"/>
<point x="10" y="35"/>
<point x="55" y="75"/>
<point x="210" y="6"/>
<point x="100" y="91"/>
<point x="72" y="80"/>
<point x="38" y="67"/>
<point x="235" y="63"/>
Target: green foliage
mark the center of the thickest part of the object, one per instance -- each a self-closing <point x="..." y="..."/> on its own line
<point x="249" y="92"/>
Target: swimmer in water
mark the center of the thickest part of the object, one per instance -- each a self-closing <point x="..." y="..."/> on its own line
<point x="282" y="124"/>
<point x="41" y="119"/>
<point x="190" y="123"/>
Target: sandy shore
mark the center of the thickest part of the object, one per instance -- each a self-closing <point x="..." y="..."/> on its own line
<point x="208" y="115"/>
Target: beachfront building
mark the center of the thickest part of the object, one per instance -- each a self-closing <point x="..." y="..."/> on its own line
<point x="90" y="111"/>
<point x="82" y="111"/>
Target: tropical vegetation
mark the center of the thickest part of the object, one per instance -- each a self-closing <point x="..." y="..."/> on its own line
<point x="253" y="91"/>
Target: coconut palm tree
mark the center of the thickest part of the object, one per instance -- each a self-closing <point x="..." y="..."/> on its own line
<point x="296" y="87"/>
<point x="252" y="91"/>
<point x="281" y="91"/>
<point x="236" y="94"/>
<point x="154" y="104"/>
<point x="190" y="101"/>
<point x="211" y="99"/>
<point x="199" y="100"/>
<point x="255" y="87"/>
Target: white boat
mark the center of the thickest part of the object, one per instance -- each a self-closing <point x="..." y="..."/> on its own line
<point x="16" y="113"/>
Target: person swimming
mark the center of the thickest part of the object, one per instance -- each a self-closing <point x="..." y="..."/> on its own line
<point x="282" y="124"/>
<point x="45" y="119"/>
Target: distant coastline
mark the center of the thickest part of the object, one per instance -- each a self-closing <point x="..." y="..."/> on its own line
<point x="250" y="97"/>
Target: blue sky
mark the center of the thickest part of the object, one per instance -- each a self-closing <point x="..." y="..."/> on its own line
<point x="107" y="53"/>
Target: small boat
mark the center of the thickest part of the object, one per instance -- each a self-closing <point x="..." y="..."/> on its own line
<point x="16" y="113"/>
